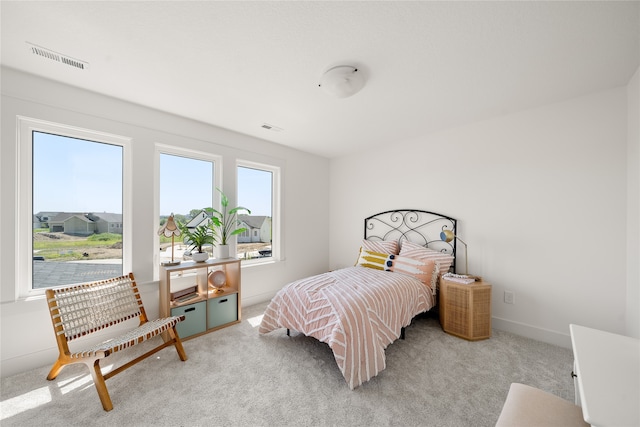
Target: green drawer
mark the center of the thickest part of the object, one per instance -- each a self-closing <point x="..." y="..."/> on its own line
<point x="222" y="310"/>
<point x="195" y="318"/>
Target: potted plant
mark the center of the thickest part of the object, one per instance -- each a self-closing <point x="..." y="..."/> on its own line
<point x="197" y="238"/>
<point x="227" y="223"/>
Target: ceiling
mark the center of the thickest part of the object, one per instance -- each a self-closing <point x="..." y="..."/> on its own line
<point x="238" y="65"/>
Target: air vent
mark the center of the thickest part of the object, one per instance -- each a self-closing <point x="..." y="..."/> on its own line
<point x="58" y="57"/>
<point x="273" y="128"/>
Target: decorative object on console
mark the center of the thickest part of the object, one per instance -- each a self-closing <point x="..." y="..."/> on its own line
<point x="217" y="279"/>
<point x="170" y="229"/>
<point x="447" y="236"/>
<point x="226" y="221"/>
<point x="342" y="81"/>
<point x="459" y="278"/>
<point x="198" y="237"/>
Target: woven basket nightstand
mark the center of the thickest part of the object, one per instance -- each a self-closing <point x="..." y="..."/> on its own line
<point x="465" y="310"/>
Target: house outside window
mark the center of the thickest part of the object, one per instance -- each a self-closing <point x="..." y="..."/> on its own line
<point x="258" y="190"/>
<point x="76" y="212"/>
<point x="178" y="170"/>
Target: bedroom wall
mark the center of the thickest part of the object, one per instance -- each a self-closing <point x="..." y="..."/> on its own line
<point x="540" y="196"/>
<point x="633" y="206"/>
<point x="26" y="336"/>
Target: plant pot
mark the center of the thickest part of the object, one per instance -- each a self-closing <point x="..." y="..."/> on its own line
<point x="223" y="251"/>
<point x="199" y="256"/>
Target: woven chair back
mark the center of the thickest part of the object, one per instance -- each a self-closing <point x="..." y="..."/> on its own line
<point x="83" y="309"/>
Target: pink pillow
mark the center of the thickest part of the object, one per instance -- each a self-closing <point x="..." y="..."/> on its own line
<point x="426" y="271"/>
<point x="381" y="246"/>
<point x="415" y="251"/>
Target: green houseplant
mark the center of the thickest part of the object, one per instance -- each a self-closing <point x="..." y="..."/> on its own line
<point x="227" y="223"/>
<point x="198" y="237"/>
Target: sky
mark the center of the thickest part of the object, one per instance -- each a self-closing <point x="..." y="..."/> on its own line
<point x="71" y="175"/>
<point x="179" y="195"/>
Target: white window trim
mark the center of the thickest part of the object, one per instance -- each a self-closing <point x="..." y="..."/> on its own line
<point x="24" y="204"/>
<point x="277" y="246"/>
<point x="172" y="150"/>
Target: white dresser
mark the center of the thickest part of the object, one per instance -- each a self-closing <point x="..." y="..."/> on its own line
<point x="607" y="375"/>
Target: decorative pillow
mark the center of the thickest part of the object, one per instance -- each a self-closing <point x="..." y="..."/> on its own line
<point x="371" y="259"/>
<point x="425" y="271"/>
<point x="381" y="246"/>
<point x="415" y="251"/>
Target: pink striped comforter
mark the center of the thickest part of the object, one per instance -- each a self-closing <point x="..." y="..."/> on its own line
<point x="358" y="311"/>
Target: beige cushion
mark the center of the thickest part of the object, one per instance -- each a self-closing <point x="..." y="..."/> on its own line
<point x="530" y="407"/>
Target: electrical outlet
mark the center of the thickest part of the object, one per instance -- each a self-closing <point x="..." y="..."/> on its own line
<point x="509" y="297"/>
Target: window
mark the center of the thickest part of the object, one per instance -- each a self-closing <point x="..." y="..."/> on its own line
<point x="258" y="191"/>
<point x="76" y="216"/>
<point x="187" y="184"/>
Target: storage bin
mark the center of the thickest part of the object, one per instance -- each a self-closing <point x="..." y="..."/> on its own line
<point x="221" y="310"/>
<point x="195" y="319"/>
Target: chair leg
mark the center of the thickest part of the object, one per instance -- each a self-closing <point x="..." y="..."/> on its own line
<point x="55" y="370"/>
<point x="100" y="384"/>
<point x="178" y="344"/>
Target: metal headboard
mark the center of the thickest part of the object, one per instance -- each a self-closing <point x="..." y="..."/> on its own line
<point x="417" y="226"/>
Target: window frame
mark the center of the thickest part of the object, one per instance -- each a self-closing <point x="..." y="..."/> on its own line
<point x="24" y="182"/>
<point x="276" y="234"/>
<point x="172" y="150"/>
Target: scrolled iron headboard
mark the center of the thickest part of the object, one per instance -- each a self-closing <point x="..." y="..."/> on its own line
<point x="417" y="226"/>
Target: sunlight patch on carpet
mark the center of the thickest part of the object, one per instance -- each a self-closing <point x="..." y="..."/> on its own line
<point x="255" y="321"/>
<point x="24" y="402"/>
<point x="75" y="383"/>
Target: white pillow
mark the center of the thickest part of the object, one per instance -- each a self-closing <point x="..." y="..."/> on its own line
<point x="415" y="251"/>
<point x="381" y="246"/>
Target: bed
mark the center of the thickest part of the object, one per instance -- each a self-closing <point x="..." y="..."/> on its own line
<point x="358" y="311"/>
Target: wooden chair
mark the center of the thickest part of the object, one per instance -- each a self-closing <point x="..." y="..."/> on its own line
<point x="82" y="310"/>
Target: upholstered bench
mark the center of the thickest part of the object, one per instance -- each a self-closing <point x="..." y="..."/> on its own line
<point x="81" y="310"/>
<point x="530" y="407"/>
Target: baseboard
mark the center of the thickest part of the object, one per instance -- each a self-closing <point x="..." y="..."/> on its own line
<point x="27" y="362"/>
<point x="522" y="329"/>
<point x="257" y="299"/>
<point x="533" y="332"/>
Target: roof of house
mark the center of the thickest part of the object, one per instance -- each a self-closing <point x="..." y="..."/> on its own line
<point x="253" y="221"/>
<point x="105" y="216"/>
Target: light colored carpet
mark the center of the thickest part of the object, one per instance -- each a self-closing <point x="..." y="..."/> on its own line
<point x="235" y="377"/>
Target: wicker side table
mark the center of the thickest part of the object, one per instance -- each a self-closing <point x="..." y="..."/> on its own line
<point x="465" y="310"/>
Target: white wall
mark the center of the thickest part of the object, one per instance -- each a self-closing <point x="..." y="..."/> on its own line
<point x="538" y="195"/>
<point x="26" y="332"/>
<point x="541" y="201"/>
<point x="633" y="207"/>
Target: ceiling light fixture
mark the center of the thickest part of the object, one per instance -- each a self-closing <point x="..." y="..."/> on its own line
<point x="342" y="81"/>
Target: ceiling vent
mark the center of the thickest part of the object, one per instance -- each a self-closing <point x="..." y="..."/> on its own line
<point x="58" y="57"/>
<point x="273" y="128"/>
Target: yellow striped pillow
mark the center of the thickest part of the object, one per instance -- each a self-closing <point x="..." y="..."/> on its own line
<point x="372" y="259"/>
